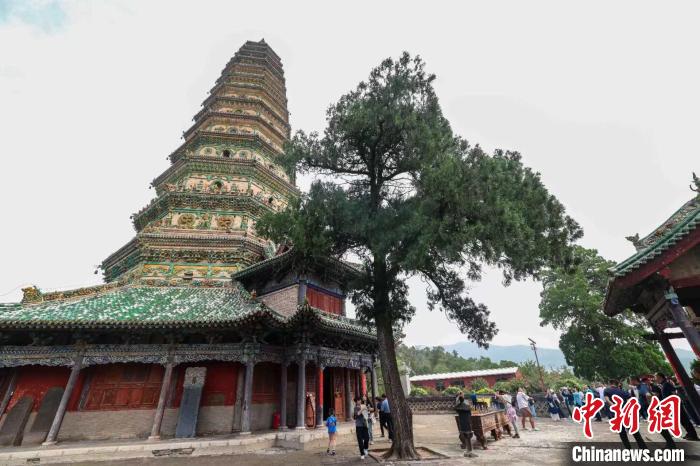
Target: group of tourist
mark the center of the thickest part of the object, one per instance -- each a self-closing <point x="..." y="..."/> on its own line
<point x="560" y="404"/>
<point x="639" y="388"/>
<point x="365" y="414"/>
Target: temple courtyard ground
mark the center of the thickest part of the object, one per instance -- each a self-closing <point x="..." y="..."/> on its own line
<point x="436" y="432"/>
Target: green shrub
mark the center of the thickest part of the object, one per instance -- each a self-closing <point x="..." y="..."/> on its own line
<point x="419" y="391"/>
<point x="504" y="385"/>
<point x="452" y="390"/>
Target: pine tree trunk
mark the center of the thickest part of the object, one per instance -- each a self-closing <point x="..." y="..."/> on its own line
<point x="402" y="418"/>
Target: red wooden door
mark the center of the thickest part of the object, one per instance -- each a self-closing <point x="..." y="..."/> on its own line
<point x="338" y="393"/>
<point x="124" y="386"/>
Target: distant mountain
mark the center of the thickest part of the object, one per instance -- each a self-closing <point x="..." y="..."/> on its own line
<point x="550" y="358"/>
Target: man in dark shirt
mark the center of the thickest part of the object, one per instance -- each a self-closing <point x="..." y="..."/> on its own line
<point x="614" y="389"/>
<point x="668" y="389"/>
<point x="464" y="414"/>
<point x="643" y="389"/>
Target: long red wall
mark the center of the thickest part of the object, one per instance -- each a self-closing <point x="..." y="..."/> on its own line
<point x="490" y="379"/>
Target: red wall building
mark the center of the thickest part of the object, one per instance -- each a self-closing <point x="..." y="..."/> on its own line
<point x="464" y="379"/>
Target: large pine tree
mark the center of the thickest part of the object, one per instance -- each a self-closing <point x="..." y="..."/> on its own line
<point x="407" y="197"/>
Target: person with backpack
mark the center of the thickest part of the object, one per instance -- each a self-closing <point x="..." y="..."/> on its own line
<point x="331" y="424"/>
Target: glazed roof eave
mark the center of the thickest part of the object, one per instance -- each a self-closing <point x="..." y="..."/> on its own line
<point x="139" y="306"/>
<point x="675" y="228"/>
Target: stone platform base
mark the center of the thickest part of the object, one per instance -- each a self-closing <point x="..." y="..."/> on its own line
<point x="94" y="452"/>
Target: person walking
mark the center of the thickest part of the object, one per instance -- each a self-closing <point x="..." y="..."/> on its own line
<point x="511" y="412"/>
<point x="641" y="389"/>
<point x="371" y="410"/>
<point x="608" y="393"/>
<point x="378" y="410"/>
<point x="601" y="394"/>
<point x="360" y="416"/>
<point x="655" y="390"/>
<point x="386" y="412"/>
<point x="553" y="406"/>
<point x="331" y="424"/>
<point x="532" y="407"/>
<point x="522" y="401"/>
<point x="578" y="398"/>
<point x="668" y="389"/>
<point x="464" y="413"/>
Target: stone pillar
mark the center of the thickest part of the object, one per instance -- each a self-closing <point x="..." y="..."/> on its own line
<point x="301" y="393"/>
<point x="283" y="396"/>
<point x="160" y="409"/>
<point x="238" y="405"/>
<point x="61" y="411"/>
<point x="319" y="397"/>
<point x="301" y="297"/>
<point x="9" y="390"/>
<point x="375" y="387"/>
<point x="348" y="398"/>
<point x="680" y="317"/>
<point x="247" y="397"/>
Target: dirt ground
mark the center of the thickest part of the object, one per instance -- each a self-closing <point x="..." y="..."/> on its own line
<point x="436" y="432"/>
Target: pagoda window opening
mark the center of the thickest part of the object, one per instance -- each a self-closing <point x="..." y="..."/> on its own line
<point x="227" y="153"/>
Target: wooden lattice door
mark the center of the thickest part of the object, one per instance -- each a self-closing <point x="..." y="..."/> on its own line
<point x="338" y="393"/>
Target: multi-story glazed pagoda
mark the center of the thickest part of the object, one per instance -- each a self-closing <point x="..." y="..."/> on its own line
<point x="203" y="327"/>
<point x="201" y="226"/>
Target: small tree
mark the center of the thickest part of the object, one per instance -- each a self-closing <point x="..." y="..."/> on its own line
<point x="408" y="198"/>
<point x="479" y="383"/>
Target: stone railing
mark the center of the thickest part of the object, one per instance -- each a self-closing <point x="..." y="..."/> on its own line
<point x="441" y="404"/>
<point x="431" y="404"/>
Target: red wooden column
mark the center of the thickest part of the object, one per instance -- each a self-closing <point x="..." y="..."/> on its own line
<point x="363" y="382"/>
<point x="319" y="396"/>
<point x="348" y="397"/>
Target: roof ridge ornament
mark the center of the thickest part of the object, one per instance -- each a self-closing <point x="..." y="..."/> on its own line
<point x="635" y="241"/>
<point x="696" y="182"/>
<point x="32" y="295"/>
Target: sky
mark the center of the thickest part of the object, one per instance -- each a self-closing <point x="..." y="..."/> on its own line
<point x="601" y="98"/>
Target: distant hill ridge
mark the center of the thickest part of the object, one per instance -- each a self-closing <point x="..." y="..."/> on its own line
<point x="550" y="358"/>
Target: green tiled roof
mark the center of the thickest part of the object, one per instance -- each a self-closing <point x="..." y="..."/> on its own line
<point x="333" y="321"/>
<point x="140" y="306"/>
<point x="133" y="306"/>
<point x="678" y="226"/>
<point x="288" y="257"/>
